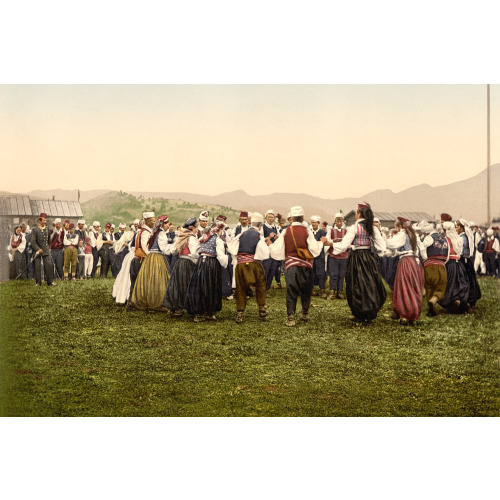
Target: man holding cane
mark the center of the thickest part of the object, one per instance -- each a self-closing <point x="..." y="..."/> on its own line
<point x="41" y="248"/>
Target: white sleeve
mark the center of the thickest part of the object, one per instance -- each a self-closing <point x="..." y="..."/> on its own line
<point x="221" y="252"/>
<point x="277" y="249"/>
<point x="344" y="245"/>
<point x="118" y="245"/>
<point x="496" y="246"/>
<point x="194" y="245"/>
<point x="234" y="246"/>
<point x="398" y="240"/>
<point x="428" y="241"/>
<point x="262" y="251"/>
<point x="379" y="241"/>
<point x="22" y="245"/>
<point x="144" y="241"/>
<point x="66" y="242"/>
<point x="99" y="242"/>
<point x="314" y="246"/>
<point x="163" y="243"/>
<point x="422" y="249"/>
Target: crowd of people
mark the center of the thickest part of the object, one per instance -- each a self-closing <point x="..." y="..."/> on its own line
<point x="191" y="269"/>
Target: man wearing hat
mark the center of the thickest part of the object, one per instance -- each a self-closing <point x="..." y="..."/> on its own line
<point x="141" y="249"/>
<point x="336" y="264"/>
<point x="94" y="234"/>
<point x="82" y="235"/>
<point x="319" y="271"/>
<point x="71" y="240"/>
<point x="104" y="243"/>
<point x="40" y="243"/>
<point x="435" y="250"/>
<point x="490" y="253"/>
<point x="57" y="248"/>
<point x="119" y="251"/>
<point x="30" y="273"/>
<point x="271" y="234"/>
<point x="249" y="249"/>
<point x="298" y="247"/>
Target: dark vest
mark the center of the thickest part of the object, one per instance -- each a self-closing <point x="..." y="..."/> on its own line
<point x="249" y="241"/>
<point x="300" y="233"/>
<point x="320" y="233"/>
<point x="440" y="246"/>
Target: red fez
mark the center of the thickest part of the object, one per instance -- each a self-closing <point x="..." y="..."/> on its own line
<point x="162" y="218"/>
<point x="495" y="228"/>
<point x="279" y="216"/>
<point x="221" y="217"/>
<point x="243" y="214"/>
<point x="43" y="216"/>
<point x="446" y="217"/>
<point x="404" y="221"/>
<point x="325" y="223"/>
<point x="66" y="221"/>
<point x="72" y="226"/>
<point x="364" y="205"/>
<point x="108" y="225"/>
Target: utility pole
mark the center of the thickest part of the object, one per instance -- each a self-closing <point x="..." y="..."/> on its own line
<point x="488" y="166"/>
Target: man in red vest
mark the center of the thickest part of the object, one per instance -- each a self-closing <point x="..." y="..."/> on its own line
<point x="298" y="247"/>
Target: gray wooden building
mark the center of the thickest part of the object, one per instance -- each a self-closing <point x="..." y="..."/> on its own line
<point x="387" y="219"/>
<point x="17" y="209"/>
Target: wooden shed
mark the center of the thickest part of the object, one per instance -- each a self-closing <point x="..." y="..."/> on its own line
<point x="387" y="219"/>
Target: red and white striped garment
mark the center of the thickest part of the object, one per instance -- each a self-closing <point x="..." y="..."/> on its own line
<point x="243" y="258"/>
<point x="291" y="261"/>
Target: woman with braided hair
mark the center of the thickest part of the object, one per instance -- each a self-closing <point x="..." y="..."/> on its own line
<point x="409" y="280"/>
<point x="364" y="286"/>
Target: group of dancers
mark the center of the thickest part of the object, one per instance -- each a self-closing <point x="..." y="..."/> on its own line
<point x="205" y="255"/>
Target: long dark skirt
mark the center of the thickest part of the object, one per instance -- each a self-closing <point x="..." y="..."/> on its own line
<point x="408" y="289"/>
<point x="388" y="267"/>
<point x="364" y="286"/>
<point x="474" y="290"/>
<point x="457" y="287"/>
<point x="204" y="294"/>
<point x="175" y="296"/>
<point x="227" y="278"/>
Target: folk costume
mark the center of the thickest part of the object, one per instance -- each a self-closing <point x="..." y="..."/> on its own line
<point x="492" y="247"/>
<point x="104" y="244"/>
<point x="204" y="293"/>
<point x="121" y="287"/>
<point x="57" y="250"/>
<point x="227" y="272"/>
<point x="17" y="247"/>
<point x="409" y="279"/>
<point x="364" y="286"/>
<point x="270" y="265"/>
<point x="40" y="240"/>
<point x="336" y="264"/>
<point x="467" y="259"/>
<point x="141" y="251"/>
<point x="249" y="250"/>
<point x="186" y="248"/>
<point x="152" y="279"/>
<point x="319" y="264"/>
<point x="119" y="250"/>
<point x="457" y="287"/>
<point x="94" y="235"/>
<point x="298" y="248"/>
<point x="70" y="252"/>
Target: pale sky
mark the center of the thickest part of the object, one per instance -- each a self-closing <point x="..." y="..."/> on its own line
<point x="325" y="140"/>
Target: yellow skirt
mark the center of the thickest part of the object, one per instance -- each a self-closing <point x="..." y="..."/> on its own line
<point x="151" y="284"/>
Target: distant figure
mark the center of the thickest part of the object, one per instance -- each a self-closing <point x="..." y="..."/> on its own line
<point x="41" y="246"/>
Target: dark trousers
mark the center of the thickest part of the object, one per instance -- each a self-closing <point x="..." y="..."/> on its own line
<point x="135" y="267"/>
<point x="336" y="271"/>
<point x="119" y="260"/>
<point x="269" y="266"/>
<point x="31" y="268"/>
<point x="112" y="261"/>
<point x="46" y="261"/>
<point x="104" y="254"/>
<point x="95" y="254"/>
<point x="80" y="267"/>
<point x="58" y="263"/>
<point x="489" y="262"/>
<point x="19" y="265"/>
<point x="299" y="283"/>
<point x="277" y="275"/>
<point x="319" y="272"/>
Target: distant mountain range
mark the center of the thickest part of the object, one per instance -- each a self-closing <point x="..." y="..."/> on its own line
<point x="465" y="198"/>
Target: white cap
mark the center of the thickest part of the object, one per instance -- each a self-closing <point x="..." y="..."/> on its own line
<point x="57" y="221"/>
<point x="136" y="221"/>
<point x="148" y="215"/>
<point x="376" y="219"/>
<point x="250" y="214"/>
<point x="256" y="217"/>
<point x="81" y="221"/>
<point x="448" y="225"/>
<point x="289" y="215"/>
<point x="96" y="223"/>
<point x="271" y="211"/>
<point x="315" y="218"/>
<point x="113" y="226"/>
<point x="427" y="228"/>
<point x="85" y="226"/>
<point x="472" y="224"/>
<point x="339" y="215"/>
<point x="489" y="232"/>
<point x="122" y="225"/>
<point x="297" y="211"/>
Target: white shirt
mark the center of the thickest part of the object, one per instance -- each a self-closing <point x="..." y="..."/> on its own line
<point x="261" y="251"/>
<point x="277" y="249"/>
<point x="343" y="246"/>
<point x="67" y="242"/>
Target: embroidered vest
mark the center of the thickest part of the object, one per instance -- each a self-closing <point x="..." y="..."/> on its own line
<point x="439" y="248"/>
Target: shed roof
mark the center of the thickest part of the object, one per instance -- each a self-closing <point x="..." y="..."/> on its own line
<point x="25" y="207"/>
<point x="392" y="216"/>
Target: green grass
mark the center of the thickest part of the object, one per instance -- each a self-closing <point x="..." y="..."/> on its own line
<point x="71" y="351"/>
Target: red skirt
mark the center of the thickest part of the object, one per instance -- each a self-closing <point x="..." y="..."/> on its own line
<point x="408" y="289"/>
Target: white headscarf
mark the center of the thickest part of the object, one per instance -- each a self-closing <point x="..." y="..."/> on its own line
<point x="452" y="234"/>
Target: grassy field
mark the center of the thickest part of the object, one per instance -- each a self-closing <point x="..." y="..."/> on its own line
<point x="71" y="351"/>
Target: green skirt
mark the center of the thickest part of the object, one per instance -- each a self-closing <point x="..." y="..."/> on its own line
<point x="151" y="283"/>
